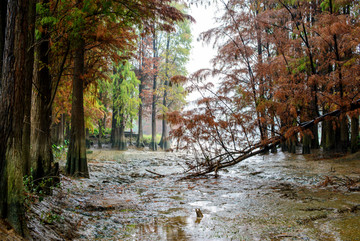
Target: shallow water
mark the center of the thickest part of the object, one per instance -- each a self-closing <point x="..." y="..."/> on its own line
<point x="269" y="197"/>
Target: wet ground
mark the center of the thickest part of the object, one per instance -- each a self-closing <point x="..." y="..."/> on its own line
<point x="270" y="197"/>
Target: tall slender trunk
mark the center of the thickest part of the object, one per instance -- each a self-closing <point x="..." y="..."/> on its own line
<point x="343" y="142"/>
<point x="113" y="126"/>
<point x="100" y="125"/>
<point x="122" y="140"/>
<point x="12" y="113"/>
<point x="41" y="153"/>
<point x="62" y="123"/>
<point x="165" y="142"/>
<point x="354" y="133"/>
<point x="330" y="135"/>
<point x="273" y="148"/>
<point x="29" y="62"/>
<point x="76" y="158"/>
<point x="3" y="10"/>
<point x="153" y="143"/>
<point x="140" y="137"/>
<point x="260" y="77"/>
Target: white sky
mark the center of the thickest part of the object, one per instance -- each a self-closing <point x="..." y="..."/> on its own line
<point x="201" y="53"/>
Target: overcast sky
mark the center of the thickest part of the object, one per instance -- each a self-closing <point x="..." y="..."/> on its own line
<point x="201" y="53"/>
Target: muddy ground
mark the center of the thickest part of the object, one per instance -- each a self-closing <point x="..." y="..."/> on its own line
<point x="270" y="197"/>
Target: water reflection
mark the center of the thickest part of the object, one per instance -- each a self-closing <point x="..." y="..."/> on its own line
<point x="169" y="229"/>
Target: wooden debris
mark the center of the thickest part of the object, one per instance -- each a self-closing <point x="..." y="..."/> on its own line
<point x="157" y="174"/>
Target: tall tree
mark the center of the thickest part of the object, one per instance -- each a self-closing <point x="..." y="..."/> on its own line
<point x="125" y="102"/>
<point x="153" y="143"/>
<point x="176" y="50"/>
<point x="90" y="26"/>
<point x="2" y="32"/>
<point x="76" y="164"/>
<point x="12" y="111"/>
<point x="43" y="96"/>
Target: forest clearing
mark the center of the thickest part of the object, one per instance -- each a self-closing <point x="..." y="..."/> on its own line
<point x="109" y="130"/>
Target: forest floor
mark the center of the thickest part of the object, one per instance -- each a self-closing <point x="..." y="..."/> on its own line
<point x="270" y="197"/>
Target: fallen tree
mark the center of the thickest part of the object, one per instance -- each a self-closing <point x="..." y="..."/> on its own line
<point x="232" y="158"/>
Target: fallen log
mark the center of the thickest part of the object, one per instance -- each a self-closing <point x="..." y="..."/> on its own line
<point x="263" y="146"/>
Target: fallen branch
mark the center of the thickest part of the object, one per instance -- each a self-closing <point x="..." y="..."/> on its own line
<point x="157" y="174"/>
<point x="261" y="147"/>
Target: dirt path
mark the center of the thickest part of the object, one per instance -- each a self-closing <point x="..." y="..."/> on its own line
<point x="273" y="197"/>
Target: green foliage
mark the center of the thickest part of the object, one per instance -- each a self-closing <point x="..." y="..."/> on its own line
<point x="36" y="189"/>
<point x="177" y="46"/>
<point x="325" y="5"/>
<point x="50" y="217"/>
<point x="59" y="151"/>
<point x="125" y="93"/>
<point x="147" y="139"/>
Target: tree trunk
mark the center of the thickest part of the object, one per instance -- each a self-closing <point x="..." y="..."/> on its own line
<point x="323" y="134"/>
<point x="330" y="137"/>
<point x="12" y="113"/>
<point x="76" y="158"/>
<point x="273" y="148"/>
<point x="122" y="140"/>
<point x="41" y="153"/>
<point x="87" y="138"/>
<point x="343" y="142"/>
<point x="3" y="10"/>
<point x="100" y="134"/>
<point x="306" y="143"/>
<point x="165" y="142"/>
<point x="354" y="133"/>
<point x="67" y="132"/>
<point x="291" y="144"/>
<point x="62" y="123"/>
<point x="29" y="62"/>
<point x="153" y="143"/>
<point x="58" y="131"/>
<point x="113" y="127"/>
<point x="140" y="137"/>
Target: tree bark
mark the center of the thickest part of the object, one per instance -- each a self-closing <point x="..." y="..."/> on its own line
<point x="76" y="158"/>
<point x="100" y="133"/>
<point x="2" y="34"/>
<point x="330" y="137"/>
<point x="343" y="142"/>
<point x="113" y="127"/>
<point x="12" y="113"/>
<point x="122" y="140"/>
<point x="41" y="154"/>
<point x="165" y="142"/>
<point x="153" y="143"/>
<point x="354" y="133"/>
<point x="62" y="124"/>
<point x="140" y="137"/>
<point x="29" y="62"/>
